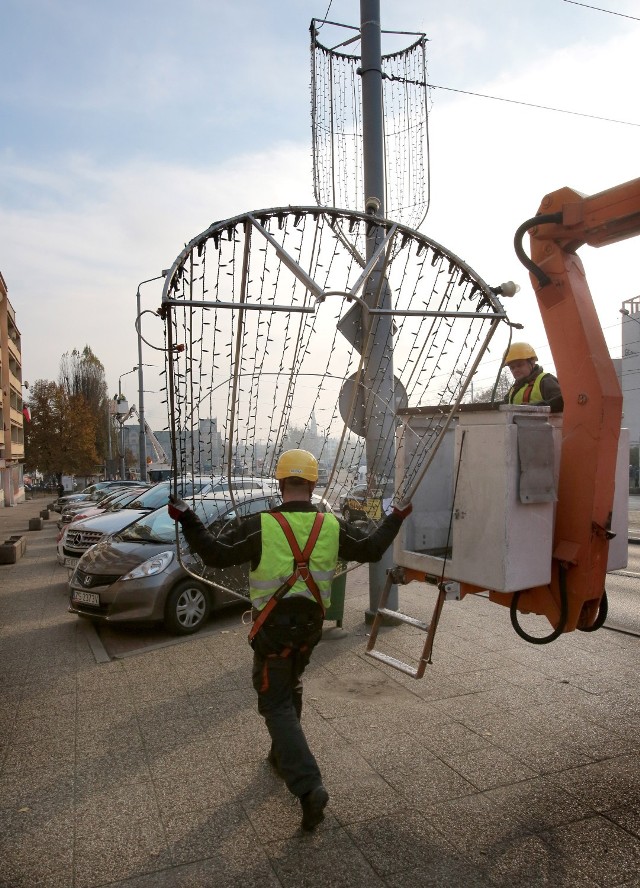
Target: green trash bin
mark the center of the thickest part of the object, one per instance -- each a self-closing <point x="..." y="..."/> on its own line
<point x="335" y="611"/>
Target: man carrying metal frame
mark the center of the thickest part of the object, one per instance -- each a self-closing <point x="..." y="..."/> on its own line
<point x="293" y="551"/>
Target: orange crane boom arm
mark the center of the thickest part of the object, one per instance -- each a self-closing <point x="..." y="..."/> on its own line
<point x="592" y="395"/>
<point x="604" y="218"/>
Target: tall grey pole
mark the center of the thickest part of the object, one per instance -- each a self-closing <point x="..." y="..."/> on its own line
<point x="378" y="355"/>
<point x="110" y="452"/>
<point x="372" y="122"/>
<point x="142" y="439"/>
<point x="142" y="435"/>
<point x="123" y="468"/>
<point x="122" y="419"/>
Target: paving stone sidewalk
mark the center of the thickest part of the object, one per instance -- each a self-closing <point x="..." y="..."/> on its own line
<point x="509" y="764"/>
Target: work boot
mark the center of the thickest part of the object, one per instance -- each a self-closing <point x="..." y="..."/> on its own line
<point x="313" y="805"/>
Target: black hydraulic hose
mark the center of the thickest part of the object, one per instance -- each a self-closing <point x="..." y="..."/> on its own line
<point x="528" y="263"/>
<point x="603" y="610"/>
<point x="562" y="622"/>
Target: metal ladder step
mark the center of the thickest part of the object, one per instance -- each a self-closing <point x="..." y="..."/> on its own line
<point x="394" y="662"/>
<point x="429" y="628"/>
<point x="404" y="618"/>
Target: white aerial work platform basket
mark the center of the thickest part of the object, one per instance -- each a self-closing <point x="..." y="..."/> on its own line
<point x="484" y="510"/>
<point x="484" y="507"/>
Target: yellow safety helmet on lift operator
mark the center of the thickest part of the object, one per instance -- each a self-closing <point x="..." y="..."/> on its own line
<point x="519" y="351"/>
<point x="297" y="464"/>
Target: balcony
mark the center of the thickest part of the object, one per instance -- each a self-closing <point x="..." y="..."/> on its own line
<point x="16" y="448"/>
<point x="14" y="349"/>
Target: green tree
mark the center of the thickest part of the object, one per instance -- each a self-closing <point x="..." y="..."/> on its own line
<point x="82" y="375"/>
<point x="504" y="384"/>
<point x="60" y="439"/>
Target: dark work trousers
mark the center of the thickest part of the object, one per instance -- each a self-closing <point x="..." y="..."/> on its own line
<point x="281" y="651"/>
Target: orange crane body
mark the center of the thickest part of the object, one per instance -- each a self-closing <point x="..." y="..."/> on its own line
<point x="575" y="597"/>
<point x="592" y="397"/>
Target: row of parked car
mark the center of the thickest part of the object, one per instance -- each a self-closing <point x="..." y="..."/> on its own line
<point x="128" y="563"/>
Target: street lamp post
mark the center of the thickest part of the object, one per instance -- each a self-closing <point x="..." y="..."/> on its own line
<point x="627" y="314"/>
<point x="109" y="451"/>
<point x="121" y="420"/>
<point x="142" y="438"/>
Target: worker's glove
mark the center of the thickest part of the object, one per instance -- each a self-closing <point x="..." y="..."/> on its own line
<point x="402" y="510"/>
<point x="177" y="508"/>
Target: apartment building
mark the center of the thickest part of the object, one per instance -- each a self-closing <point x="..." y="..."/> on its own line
<point x="630" y="369"/>
<point x="11" y="416"/>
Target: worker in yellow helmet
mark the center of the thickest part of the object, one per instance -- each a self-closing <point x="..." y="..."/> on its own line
<point x="293" y="550"/>
<point x="531" y="384"/>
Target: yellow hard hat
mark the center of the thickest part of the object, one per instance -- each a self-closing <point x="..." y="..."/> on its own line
<point x="520" y="351"/>
<point x="297" y="464"/>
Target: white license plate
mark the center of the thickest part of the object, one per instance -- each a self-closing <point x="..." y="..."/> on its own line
<point x="70" y="562"/>
<point x="86" y="597"/>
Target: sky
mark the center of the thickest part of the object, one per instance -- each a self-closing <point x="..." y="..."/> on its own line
<point x="126" y="128"/>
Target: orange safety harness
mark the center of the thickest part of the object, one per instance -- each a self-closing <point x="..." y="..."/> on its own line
<point x="301" y="571"/>
<point x="527" y="392"/>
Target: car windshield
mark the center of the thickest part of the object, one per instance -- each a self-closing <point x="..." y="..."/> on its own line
<point x="120" y="499"/>
<point x="77" y="501"/>
<point x="113" y="496"/>
<point x="97" y="495"/>
<point x="214" y="512"/>
<point x="159" y="495"/>
<point x="158" y="527"/>
<point x="250" y="506"/>
<point x="239" y="484"/>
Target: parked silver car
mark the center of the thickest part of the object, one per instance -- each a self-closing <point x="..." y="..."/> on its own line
<point x="81" y="535"/>
<point x="135" y="575"/>
<point x="68" y="498"/>
<point x="100" y="502"/>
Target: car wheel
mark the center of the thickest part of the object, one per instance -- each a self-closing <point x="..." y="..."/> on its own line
<point x="187" y="608"/>
<point x="346" y="514"/>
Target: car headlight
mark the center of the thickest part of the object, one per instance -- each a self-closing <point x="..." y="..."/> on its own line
<point x="151" y="567"/>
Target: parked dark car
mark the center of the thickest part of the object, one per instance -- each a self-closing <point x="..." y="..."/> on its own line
<point x="363" y="503"/>
<point x="85" y="494"/>
<point x="101" y="501"/>
<point x="78" y="536"/>
<point x="135" y="575"/>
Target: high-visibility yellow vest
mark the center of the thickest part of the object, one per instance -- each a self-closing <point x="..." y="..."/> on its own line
<point x="276" y="562"/>
<point x="531" y="391"/>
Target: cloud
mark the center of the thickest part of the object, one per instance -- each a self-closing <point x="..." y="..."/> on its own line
<point x="78" y="233"/>
<point x="86" y="236"/>
<point x="493" y="162"/>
